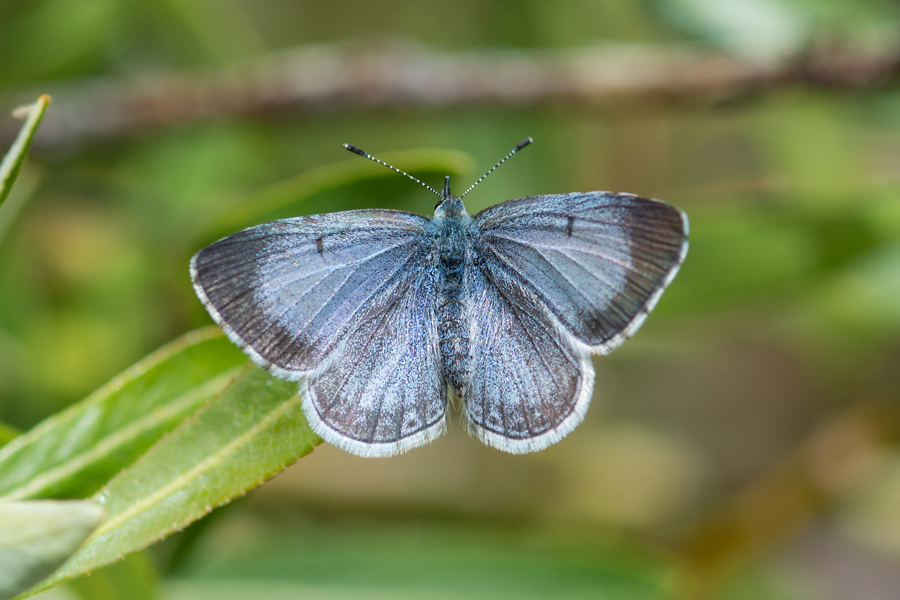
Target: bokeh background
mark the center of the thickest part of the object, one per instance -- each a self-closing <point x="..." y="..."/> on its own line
<point x="742" y="445"/>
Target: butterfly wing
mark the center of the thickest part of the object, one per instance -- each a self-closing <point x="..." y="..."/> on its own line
<point x="559" y="278"/>
<point x="343" y="303"/>
<point x="598" y="261"/>
<point x="383" y="393"/>
<point x="528" y="385"/>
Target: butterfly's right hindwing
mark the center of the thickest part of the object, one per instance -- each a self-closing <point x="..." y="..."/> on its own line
<point x="528" y="385"/>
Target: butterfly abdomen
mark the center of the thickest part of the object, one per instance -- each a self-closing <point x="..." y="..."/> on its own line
<point x="453" y="326"/>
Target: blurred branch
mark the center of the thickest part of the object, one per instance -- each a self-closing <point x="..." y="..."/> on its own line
<point x="324" y="78"/>
<point x="832" y="461"/>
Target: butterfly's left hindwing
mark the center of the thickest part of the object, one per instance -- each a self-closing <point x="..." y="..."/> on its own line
<point x="383" y="393"/>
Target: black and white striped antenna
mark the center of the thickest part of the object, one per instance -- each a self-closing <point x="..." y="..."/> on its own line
<point x="518" y="147"/>
<point x="362" y="152"/>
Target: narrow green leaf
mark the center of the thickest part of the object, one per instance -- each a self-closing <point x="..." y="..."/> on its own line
<point x="37" y="536"/>
<point x="272" y="202"/>
<point x="75" y="452"/>
<point x="12" y="162"/>
<point x="250" y="432"/>
<point x="134" y="578"/>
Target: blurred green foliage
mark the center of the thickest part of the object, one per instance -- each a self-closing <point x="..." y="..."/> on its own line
<point x="785" y="316"/>
<point x="37" y="537"/>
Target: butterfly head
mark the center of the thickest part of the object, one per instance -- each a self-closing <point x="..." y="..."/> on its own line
<point x="449" y="206"/>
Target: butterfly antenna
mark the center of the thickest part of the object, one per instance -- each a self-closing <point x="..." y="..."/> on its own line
<point x="362" y="152"/>
<point x="518" y="147"/>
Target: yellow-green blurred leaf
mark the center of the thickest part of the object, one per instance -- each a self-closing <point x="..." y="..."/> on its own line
<point x="281" y="199"/>
<point x="134" y="578"/>
<point x="7" y="434"/>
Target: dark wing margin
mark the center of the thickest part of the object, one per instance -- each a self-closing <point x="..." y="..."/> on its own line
<point x="598" y="261"/>
<point x="343" y="303"/>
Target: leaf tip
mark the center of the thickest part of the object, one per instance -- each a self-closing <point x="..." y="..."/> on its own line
<point x="23" y="112"/>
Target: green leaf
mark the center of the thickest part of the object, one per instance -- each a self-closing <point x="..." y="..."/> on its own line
<point x="134" y="578"/>
<point x="37" y="536"/>
<point x="12" y="162"/>
<point x="253" y="430"/>
<point x="341" y="555"/>
<point x="75" y="452"/>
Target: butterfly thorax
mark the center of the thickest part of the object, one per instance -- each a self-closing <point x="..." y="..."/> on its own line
<point x="453" y="250"/>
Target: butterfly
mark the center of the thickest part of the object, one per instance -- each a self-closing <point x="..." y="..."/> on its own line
<point x="379" y="314"/>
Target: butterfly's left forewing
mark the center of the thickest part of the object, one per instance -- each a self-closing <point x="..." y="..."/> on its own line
<point x="345" y="304"/>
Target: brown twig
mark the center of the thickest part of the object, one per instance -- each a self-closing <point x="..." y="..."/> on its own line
<point x="397" y="75"/>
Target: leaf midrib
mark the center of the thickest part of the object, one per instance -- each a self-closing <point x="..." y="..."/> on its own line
<point x="191" y="474"/>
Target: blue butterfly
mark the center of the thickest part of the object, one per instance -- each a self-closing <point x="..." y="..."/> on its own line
<point x="376" y="313"/>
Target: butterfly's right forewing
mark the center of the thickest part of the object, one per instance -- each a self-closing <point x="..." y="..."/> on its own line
<point x="558" y="278"/>
<point x="598" y="261"/>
